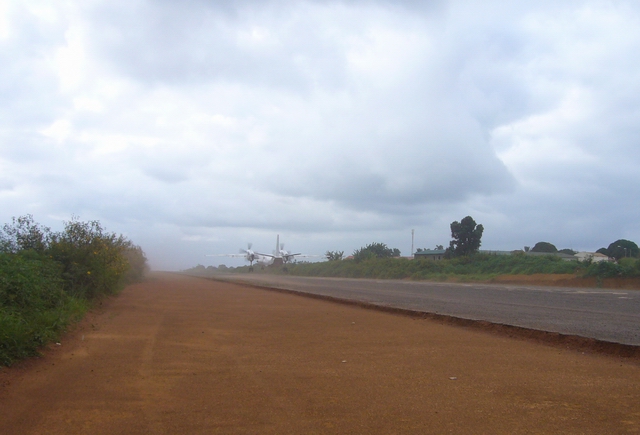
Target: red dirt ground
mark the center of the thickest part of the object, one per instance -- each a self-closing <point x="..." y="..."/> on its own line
<point x="193" y="356"/>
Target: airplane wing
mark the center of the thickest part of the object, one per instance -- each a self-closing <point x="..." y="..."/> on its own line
<point x="226" y="255"/>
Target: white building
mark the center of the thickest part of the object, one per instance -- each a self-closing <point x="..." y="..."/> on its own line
<point x="593" y="256"/>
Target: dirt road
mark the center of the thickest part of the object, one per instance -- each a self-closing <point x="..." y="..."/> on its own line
<point x="179" y="355"/>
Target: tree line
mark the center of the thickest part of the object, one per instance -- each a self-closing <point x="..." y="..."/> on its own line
<point x="617" y="250"/>
<point x="466" y="239"/>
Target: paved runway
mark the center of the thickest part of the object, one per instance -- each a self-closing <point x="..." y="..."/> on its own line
<point x="608" y="315"/>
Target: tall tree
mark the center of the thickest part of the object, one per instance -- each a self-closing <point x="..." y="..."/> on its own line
<point x="621" y="248"/>
<point x="334" y="255"/>
<point x="375" y="250"/>
<point x="544" y="247"/>
<point x="466" y="236"/>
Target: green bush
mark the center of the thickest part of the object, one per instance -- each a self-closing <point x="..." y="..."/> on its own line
<point x="92" y="260"/>
<point x="375" y="250"/>
<point x="625" y="267"/>
<point x="34" y="308"/>
<point x="48" y="280"/>
<point x="29" y="281"/>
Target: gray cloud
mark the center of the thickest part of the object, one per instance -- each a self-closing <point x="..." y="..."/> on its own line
<point x="200" y="126"/>
<point x="258" y="46"/>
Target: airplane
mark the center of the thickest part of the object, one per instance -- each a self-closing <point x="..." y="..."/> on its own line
<point x="279" y="256"/>
<point x="248" y="255"/>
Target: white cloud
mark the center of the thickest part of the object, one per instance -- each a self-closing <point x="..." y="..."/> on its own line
<point x="332" y="123"/>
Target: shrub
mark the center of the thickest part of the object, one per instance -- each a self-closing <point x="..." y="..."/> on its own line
<point x="48" y="280"/>
<point x="375" y="250"/>
<point x="95" y="262"/>
<point x="24" y="234"/>
<point x="626" y="267"/>
<point x="34" y="308"/>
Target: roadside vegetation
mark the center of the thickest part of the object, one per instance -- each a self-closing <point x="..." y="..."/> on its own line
<point x="49" y="279"/>
<point x="476" y="267"/>
<point x="461" y="261"/>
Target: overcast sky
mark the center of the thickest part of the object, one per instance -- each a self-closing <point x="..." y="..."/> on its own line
<point x="194" y="127"/>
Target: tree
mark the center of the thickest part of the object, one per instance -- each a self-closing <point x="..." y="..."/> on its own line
<point x="24" y="234"/>
<point x="466" y="236"/>
<point x="621" y="248"/>
<point x="544" y="247"/>
<point x="437" y="248"/>
<point x="334" y="255"/>
<point x="567" y="251"/>
<point x="375" y="250"/>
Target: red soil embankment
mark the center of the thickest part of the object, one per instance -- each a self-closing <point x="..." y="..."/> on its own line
<point x="569" y="280"/>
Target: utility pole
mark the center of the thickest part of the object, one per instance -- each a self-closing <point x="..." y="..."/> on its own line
<point x="412" y="232"/>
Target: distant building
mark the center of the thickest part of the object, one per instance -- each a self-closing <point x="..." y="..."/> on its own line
<point x="595" y="257"/>
<point x="430" y="254"/>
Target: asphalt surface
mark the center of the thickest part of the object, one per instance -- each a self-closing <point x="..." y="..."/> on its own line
<point x="603" y="314"/>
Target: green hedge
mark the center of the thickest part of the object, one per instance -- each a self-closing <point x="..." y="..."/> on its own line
<point x="48" y="280"/>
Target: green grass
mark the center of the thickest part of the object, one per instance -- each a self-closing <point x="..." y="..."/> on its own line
<point x="480" y="267"/>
